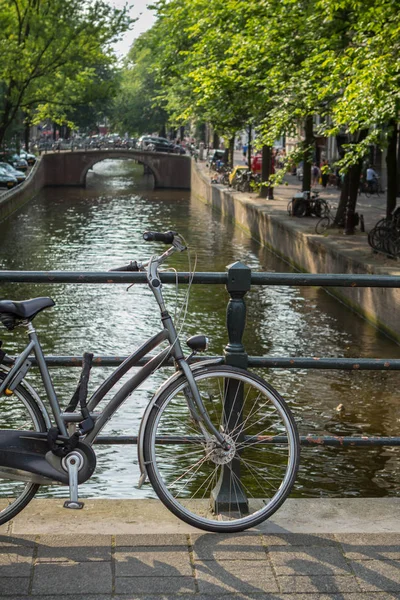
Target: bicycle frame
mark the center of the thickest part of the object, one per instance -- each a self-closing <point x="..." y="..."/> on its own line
<point x="168" y="333"/>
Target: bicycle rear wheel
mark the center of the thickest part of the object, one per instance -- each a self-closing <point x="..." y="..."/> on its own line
<point x="198" y="481"/>
<point x="19" y="411"/>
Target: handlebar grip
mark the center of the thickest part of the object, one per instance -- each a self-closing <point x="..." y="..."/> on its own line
<point x="131" y="267"/>
<point x="154" y="236"/>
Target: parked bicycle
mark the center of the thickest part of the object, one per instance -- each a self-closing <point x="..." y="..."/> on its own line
<point x="246" y="180"/>
<point x="306" y="204"/>
<point x="325" y="222"/>
<point x="218" y="443"/>
<point x="385" y="236"/>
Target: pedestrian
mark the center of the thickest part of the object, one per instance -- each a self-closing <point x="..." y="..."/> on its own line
<point x="315" y="172"/>
<point x="244" y="150"/>
<point x="325" y="169"/>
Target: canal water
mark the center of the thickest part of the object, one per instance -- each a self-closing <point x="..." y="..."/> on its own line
<point x="101" y="227"/>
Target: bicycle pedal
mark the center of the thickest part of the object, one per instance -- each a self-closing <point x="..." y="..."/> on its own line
<point x="72" y="463"/>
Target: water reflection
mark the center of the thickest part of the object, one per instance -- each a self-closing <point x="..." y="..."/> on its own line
<point x="100" y="227"/>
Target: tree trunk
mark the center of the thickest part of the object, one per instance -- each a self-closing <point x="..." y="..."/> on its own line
<point x="249" y="148"/>
<point x="163" y="131"/>
<point x="231" y="152"/>
<point x="307" y="156"/>
<point x="265" y="171"/>
<point x="398" y="164"/>
<point x="354" y="184"/>
<point x="182" y="132"/>
<point x="26" y="135"/>
<point x="391" y="163"/>
<point x="215" y="140"/>
<point x="341" y="209"/>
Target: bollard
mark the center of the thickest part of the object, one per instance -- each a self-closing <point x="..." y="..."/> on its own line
<point x="238" y="284"/>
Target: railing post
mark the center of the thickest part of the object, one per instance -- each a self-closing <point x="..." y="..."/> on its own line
<point x="238" y="284"/>
<point x="223" y="497"/>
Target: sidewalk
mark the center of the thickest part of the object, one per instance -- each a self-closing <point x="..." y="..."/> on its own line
<point x="354" y="246"/>
<point x="345" y="549"/>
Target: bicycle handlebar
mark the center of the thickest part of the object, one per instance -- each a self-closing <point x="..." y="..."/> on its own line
<point x="154" y="236"/>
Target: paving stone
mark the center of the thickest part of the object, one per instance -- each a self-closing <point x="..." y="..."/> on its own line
<point x="16" y="562"/>
<point x="374" y="575"/>
<point x="155" y="585"/>
<point x="245" y="596"/>
<point x="228" y="547"/>
<point x="152" y="539"/>
<point x="9" y="541"/>
<point x="309" y="561"/>
<point x="326" y="584"/>
<point x="81" y="596"/>
<point x="235" y="576"/>
<point x="81" y="578"/>
<point x="370" y="546"/>
<point x="299" y="539"/>
<point x="145" y="562"/>
<point x="14" y="585"/>
<point x="74" y="548"/>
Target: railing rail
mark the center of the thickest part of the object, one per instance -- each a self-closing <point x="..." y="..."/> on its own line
<point x="238" y="280"/>
<point x="208" y="278"/>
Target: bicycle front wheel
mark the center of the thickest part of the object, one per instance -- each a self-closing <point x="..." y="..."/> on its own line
<point x="19" y="411"/>
<point x="213" y="489"/>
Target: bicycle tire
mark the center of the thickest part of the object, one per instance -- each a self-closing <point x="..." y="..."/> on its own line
<point x="299" y="208"/>
<point x="323" y="208"/>
<point x="19" y="411"/>
<point x="183" y="470"/>
<point x="322" y="225"/>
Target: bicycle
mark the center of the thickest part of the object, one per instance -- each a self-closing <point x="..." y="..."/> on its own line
<point x="370" y="187"/>
<point x="384" y="237"/>
<point x="325" y="222"/>
<point x="306" y="204"/>
<point x="218" y="444"/>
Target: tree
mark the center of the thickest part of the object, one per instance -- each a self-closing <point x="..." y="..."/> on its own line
<point x="138" y="107"/>
<point x="50" y="51"/>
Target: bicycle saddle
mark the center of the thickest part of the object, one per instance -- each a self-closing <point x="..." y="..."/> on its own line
<point x="27" y="309"/>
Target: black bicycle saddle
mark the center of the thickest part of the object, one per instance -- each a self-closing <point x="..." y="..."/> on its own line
<point x="27" y="309"/>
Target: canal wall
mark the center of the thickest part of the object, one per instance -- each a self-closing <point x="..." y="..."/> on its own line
<point x="306" y="251"/>
<point x="13" y="199"/>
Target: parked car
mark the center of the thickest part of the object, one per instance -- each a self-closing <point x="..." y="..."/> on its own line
<point x="19" y="175"/>
<point x="7" y="180"/>
<point x="17" y="162"/>
<point x="154" y="143"/>
<point x="30" y="158"/>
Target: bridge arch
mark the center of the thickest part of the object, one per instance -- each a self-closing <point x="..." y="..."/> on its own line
<point x="70" y="168"/>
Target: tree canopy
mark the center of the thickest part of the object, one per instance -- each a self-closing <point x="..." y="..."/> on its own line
<point x="52" y="55"/>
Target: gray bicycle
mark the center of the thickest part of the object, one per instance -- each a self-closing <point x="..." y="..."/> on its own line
<point x="218" y="443"/>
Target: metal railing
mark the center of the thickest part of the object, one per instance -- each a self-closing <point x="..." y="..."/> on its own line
<point x="238" y="279"/>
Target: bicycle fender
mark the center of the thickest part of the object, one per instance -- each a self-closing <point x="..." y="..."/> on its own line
<point x="194" y="368"/>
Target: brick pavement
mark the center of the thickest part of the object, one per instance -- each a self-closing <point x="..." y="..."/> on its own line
<point x="201" y="566"/>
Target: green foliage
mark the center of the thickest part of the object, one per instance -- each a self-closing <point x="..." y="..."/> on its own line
<point x="138" y="107"/>
<point x="52" y="55"/>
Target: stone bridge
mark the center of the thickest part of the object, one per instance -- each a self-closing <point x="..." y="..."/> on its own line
<point x="70" y="168"/>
